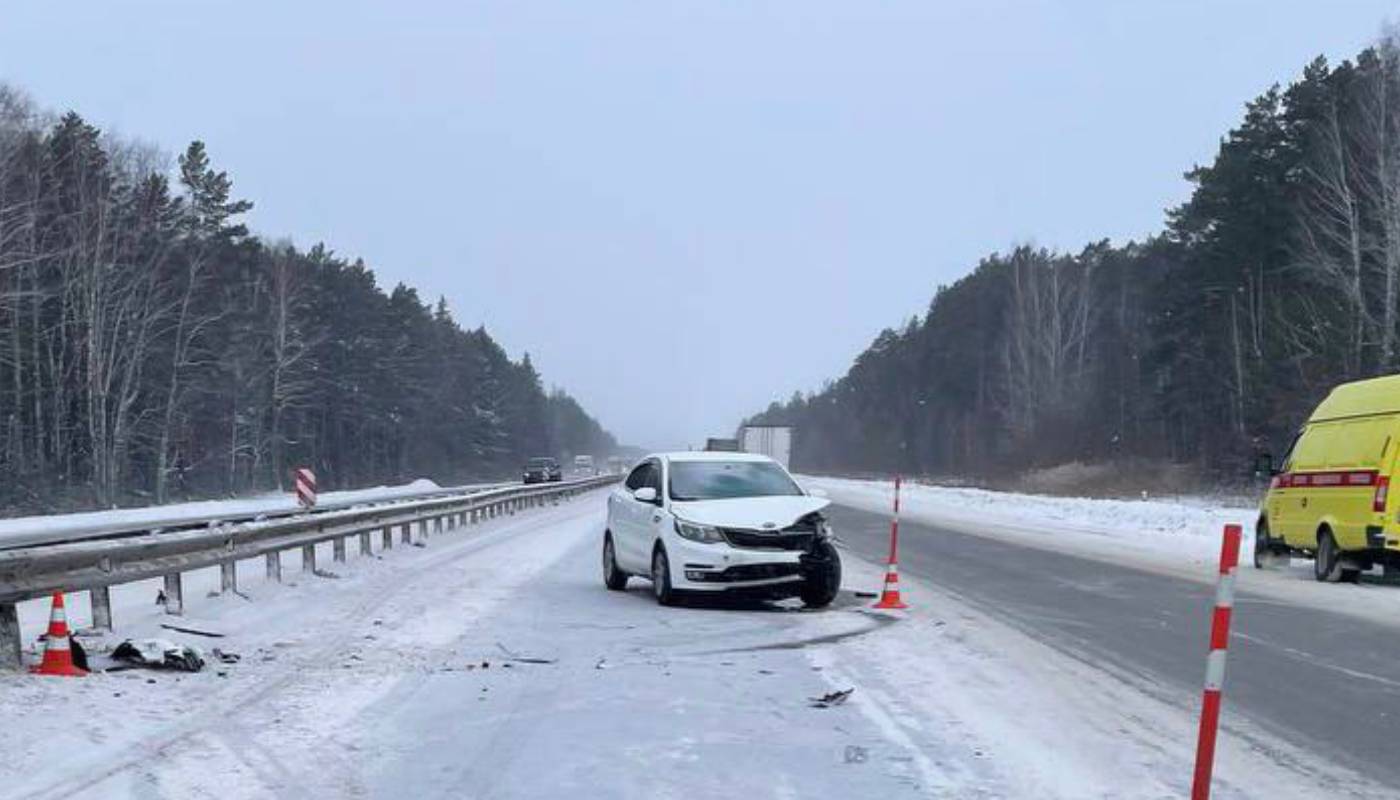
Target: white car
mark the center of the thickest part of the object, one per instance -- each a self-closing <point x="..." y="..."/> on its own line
<point x="712" y="523"/>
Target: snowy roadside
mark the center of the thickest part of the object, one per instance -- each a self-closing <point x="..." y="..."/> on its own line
<point x="397" y="679"/>
<point x="1159" y="532"/>
<point x="1178" y="538"/>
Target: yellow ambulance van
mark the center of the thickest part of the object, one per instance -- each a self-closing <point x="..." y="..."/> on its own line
<point x="1328" y="500"/>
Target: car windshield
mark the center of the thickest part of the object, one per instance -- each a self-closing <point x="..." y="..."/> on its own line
<point x="724" y="480"/>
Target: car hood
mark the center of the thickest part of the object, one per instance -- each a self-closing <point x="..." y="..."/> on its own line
<point x="754" y="513"/>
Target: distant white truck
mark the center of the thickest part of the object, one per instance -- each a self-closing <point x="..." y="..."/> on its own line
<point x="583" y="465"/>
<point x="774" y="441"/>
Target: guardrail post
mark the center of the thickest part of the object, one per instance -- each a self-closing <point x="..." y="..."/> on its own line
<point x="365" y="548"/>
<point x="437" y="526"/>
<point x="422" y="530"/>
<point x="228" y="577"/>
<point x="406" y="533"/>
<point x="11" y="648"/>
<point x="274" y="566"/>
<point x="101" y="599"/>
<point x="387" y="537"/>
<point x="308" y="558"/>
<point x="174" y="594"/>
<point x="338" y="550"/>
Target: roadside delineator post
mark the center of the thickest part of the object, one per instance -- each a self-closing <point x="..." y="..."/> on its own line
<point x="58" y="656"/>
<point x="1215" y="663"/>
<point x="305" y="481"/>
<point x="890" y="597"/>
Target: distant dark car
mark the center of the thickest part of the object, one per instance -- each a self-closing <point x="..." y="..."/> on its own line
<point x="543" y="470"/>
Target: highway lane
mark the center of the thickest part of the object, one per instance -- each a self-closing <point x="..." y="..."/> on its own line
<point x="1323" y="681"/>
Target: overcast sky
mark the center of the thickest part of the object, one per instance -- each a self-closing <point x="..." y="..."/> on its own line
<point x="682" y="210"/>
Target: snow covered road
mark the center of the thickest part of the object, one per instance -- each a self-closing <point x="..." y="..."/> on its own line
<point x="397" y="680"/>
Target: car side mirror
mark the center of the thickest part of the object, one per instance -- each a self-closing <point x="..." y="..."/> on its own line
<point x="1264" y="465"/>
<point x="646" y="494"/>
<point x="818" y="493"/>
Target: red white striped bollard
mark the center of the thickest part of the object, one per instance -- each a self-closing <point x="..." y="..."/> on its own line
<point x="306" y="487"/>
<point x="890" y="597"/>
<point x="1215" y="663"/>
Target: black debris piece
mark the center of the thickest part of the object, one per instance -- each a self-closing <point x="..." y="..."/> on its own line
<point x="159" y="654"/>
<point x="192" y="631"/>
<point x="832" y="698"/>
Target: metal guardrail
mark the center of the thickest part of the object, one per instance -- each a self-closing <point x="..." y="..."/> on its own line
<point x="95" y="566"/>
<point x="164" y="519"/>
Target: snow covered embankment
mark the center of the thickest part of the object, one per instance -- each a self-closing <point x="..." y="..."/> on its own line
<point x="1157" y="532"/>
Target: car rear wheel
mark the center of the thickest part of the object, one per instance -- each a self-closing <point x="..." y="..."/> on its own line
<point x="1327" y="564"/>
<point x="613" y="576"/>
<point x="661" y="578"/>
<point x="821" y="575"/>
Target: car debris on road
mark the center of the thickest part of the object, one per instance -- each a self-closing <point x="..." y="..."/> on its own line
<point x="832" y="698"/>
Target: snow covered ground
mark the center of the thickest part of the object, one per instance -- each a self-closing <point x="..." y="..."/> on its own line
<point x="396" y="680"/>
<point x="1161" y="531"/>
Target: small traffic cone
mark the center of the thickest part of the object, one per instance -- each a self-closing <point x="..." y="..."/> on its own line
<point x="58" y="658"/>
<point x="890" y="598"/>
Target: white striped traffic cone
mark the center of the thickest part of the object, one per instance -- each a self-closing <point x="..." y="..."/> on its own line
<point x="58" y="658"/>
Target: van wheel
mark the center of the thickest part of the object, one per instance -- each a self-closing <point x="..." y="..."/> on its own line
<point x="1327" y="564"/>
<point x="1267" y="555"/>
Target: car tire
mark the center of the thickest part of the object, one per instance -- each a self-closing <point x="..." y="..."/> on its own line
<point x="661" y="587"/>
<point x="821" y="575"/>
<point x="613" y="576"/>
<point x="1327" y="561"/>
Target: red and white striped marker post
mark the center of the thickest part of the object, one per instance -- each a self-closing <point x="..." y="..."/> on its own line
<point x="890" y="597"/>
<point x="1215" y="663"/>
<point x="306" y="486"/>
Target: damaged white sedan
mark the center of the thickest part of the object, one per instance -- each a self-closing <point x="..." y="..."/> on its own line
<point x="732" y="523"/>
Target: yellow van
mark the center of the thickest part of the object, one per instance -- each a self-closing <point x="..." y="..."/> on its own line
<point x="1328" y="499"/>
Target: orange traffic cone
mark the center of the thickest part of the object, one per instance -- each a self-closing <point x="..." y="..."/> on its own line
<point x="890" y="598"/>
<point x="58" y="659"/>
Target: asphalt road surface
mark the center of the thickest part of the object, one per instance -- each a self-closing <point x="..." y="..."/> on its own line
<point x="1325" y="682"/>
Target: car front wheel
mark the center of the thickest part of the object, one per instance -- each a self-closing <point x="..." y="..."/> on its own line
<point x="821" y="575"/>
<point x="661" y="578"/>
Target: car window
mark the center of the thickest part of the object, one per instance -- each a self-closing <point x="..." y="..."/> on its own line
<point x="654" y="477"/>
<point x="722" y="480"/>
<point x="639" y="476"/>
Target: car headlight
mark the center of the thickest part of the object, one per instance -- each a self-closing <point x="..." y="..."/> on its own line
<point x="698" y="533"/>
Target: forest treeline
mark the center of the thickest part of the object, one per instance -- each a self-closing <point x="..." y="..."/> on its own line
<point x="1208" y="343"/>
<point x="152" y="349"/>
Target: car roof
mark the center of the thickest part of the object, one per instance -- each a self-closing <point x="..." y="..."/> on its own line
<point x="703" y="455"/>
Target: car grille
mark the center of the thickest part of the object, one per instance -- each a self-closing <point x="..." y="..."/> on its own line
<point x="787" y="539"/>
<point x="754" y="572"/>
